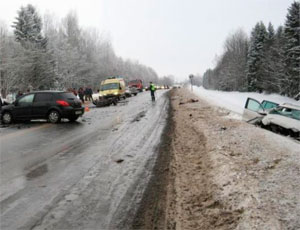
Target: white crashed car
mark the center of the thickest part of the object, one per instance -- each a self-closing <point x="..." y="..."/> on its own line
<point x="284" y="118"/>
<point x="95" y="97"/>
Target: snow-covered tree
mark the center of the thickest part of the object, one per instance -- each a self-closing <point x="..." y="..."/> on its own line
<point x="292" y="48"/>
<point x="59" y="54"/>
<point x="254" y="68"/>
<point x="268" y="65"/>
<point x="28" y="28"/>
<point x="39" y="63"/>
<point x="273" y="60"/>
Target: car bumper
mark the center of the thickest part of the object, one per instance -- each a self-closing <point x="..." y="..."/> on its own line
<point x="108" y="96"/>
<point x="68" y="112"/>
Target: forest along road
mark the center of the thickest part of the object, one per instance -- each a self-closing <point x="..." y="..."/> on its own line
<point x="83" y="175"/>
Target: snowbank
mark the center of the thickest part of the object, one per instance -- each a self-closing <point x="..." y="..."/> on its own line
<point x="235" y="101"/>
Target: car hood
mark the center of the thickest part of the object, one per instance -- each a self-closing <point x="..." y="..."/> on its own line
<point x="7" y="107"/>
<point x="285" y="122"/>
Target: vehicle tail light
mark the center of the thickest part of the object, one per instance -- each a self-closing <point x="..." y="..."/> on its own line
<point x="62" y="103"/>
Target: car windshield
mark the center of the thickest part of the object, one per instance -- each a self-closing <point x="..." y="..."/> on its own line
<point x="110" y="86"/>
<point x="287" y="112"/>
<point x="268" y="104"/>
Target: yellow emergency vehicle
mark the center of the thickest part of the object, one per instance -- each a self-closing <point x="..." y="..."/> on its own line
<point x="113" y="87"/>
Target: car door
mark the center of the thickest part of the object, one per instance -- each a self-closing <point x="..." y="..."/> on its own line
<point x="41" y="104"/>
<point x="251" y="111"/>
<point x="23" y="107"/>
<point x="268" y="105"/>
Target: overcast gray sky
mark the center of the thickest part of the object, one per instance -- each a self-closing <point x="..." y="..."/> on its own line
<point x="176" y="37"/>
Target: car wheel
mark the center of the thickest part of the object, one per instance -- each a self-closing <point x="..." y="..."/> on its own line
<point x="7" y="118"/>
<point x="73" y="118"/>
<point x="54" y="116"/>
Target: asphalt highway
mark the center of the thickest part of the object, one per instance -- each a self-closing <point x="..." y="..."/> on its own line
<point x="84" y="175"/>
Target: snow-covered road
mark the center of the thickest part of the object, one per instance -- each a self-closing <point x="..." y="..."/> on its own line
<point x="83" y="175"/>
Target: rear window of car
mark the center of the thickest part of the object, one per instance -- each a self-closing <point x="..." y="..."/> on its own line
<point x="40" y="97"/>
<point x="66" y="96"/>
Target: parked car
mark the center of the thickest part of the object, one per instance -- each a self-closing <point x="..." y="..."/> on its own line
<point x="50" y="105"/>
<point x="284" y="118"/>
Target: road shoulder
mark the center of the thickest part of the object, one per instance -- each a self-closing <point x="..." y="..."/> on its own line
<point x="221" y="173"/>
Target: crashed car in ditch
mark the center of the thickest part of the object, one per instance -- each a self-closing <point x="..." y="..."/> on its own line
<point x="283" y="118"/>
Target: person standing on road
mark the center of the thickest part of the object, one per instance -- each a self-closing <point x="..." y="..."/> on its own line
<point x="90" y="93"/>
<point x="74" y="91"/>
<point x="81" y="94"/>
<point x="86" y="94"/>
<point x="152" y="91"/>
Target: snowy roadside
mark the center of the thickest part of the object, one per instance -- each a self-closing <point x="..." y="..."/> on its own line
<point x="235" y="101"/>
<point x="221" y="173"/>
<point x="229" y="174"/>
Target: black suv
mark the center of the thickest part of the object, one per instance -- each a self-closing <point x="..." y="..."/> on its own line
<point x="50" y="105"/>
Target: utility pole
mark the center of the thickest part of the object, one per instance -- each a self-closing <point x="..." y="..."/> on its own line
<point x="191" y="77"/>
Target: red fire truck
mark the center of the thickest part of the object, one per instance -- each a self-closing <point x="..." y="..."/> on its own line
<point x="137" y="84"/>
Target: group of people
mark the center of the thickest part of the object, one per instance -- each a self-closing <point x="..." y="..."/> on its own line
<point x="20" y="93"/>
<point x="84" y="94"/>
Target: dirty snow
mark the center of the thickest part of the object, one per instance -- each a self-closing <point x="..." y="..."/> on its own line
<point x="229" y="174"/>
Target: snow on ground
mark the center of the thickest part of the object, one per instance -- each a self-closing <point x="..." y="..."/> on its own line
<point x="229" y="174"/>
<point x="235" y="101"/>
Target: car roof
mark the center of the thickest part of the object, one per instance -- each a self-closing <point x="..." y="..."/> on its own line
<point x="290" y="106"/>
<point x="49" y="91"/>
<point x="113" y="80"/>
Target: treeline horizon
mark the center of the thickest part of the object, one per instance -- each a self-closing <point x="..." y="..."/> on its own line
<point x="268" y="61"/>
<point x="46" y="53"/>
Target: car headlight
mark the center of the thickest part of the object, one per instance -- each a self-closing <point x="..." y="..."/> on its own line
<point x="100" y="95"/>
<point x="115" y="93"/>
